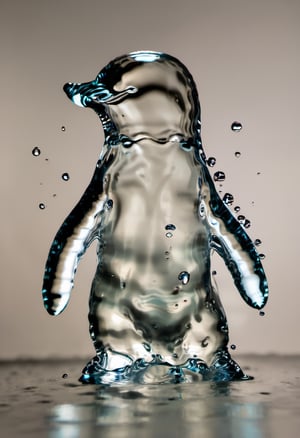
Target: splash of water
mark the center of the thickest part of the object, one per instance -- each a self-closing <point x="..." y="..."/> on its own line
<point x="153" y="308"/>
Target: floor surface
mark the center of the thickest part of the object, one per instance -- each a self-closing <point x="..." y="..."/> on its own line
<point x="45" y="399"/>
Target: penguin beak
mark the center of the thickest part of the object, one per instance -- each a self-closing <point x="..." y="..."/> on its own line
<point x="74" y="92"/>
<point x="90" y="93"/>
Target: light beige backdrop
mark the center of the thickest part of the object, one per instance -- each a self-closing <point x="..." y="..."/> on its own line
<point x="244" y="56"/>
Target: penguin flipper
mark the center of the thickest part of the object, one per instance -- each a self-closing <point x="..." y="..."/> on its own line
<point x="69" y="245"/>
<point x="232" y="243"/>
<point x="75" y="235"/>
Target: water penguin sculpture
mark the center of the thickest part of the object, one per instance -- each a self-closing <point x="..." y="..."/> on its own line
<point x="152" y="205"/>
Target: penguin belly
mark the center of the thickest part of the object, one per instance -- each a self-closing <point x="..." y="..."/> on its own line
<point x="151" y="294"/>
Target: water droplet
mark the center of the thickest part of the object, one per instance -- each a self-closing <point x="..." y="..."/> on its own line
<point x="236" y="126"/>
<point x="261" y="313"/>
<point x="228" y="199"/>
<point x="237" y="154"/>
<point x="219" y="176"/>
<point x="170" y="227"/>
<point x="247" y="223"/>
<point x="257" y="242"/>
<point x="262" y="256"/>
<point x="184" y="277"/>
<point x="233" y="346"/>
<point x="65" y="376"/>
<point x="63" y="128"/>
<point x="211" y="161"/>
<point x="169" y="235"/>
<point x="42" y="206"/>
<point x="65" y="176"/>
<point x="36" y="151"/>
<point x="237" y="208"/>
<point x="241" y="218"/>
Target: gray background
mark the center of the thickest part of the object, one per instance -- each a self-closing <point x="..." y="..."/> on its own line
<point x="244" y="57"/>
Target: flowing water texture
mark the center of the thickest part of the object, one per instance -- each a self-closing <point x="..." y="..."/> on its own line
<point x="153" y="208"/>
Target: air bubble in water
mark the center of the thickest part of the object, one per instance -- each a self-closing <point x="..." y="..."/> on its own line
<point x="184" y="277"/>
<point x="36" y="151"/>
<point x="237" y="208"/>
<point x="228" y="199"/>
<point x="109" y="204"/>
<point x="219" y="176"/>
<point x="236" y="126"/>
<point x="42" y="206"/>
<point x="170" y="227"/>
<point x="65" y="176"/>
<point x="211" y="161"/>
<point x="233" y="346"/>
<point x="261" y="313"/>
<point x="146" y="346"/>
<point x="169" y="234"/>
<point x="237" y="154"/>
<point x="257" y="242"/>
<point x="214" y="273"/>
<point x="63" y="128"/>
<point x="65" y="376"/>
<point x="262" y="256"/>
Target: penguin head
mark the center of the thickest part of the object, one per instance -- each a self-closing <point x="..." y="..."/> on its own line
<point x="143" y="94"/>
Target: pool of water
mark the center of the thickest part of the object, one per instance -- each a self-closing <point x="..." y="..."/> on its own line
<point x="45" y="399"/>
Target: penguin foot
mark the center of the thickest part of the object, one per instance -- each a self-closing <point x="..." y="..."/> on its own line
<point x="223" y="369"/>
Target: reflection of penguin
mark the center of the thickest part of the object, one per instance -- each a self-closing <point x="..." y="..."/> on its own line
<point x="156" y="214"/>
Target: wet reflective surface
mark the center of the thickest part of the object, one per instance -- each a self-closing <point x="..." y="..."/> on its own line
<point x="44" y="399"/>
